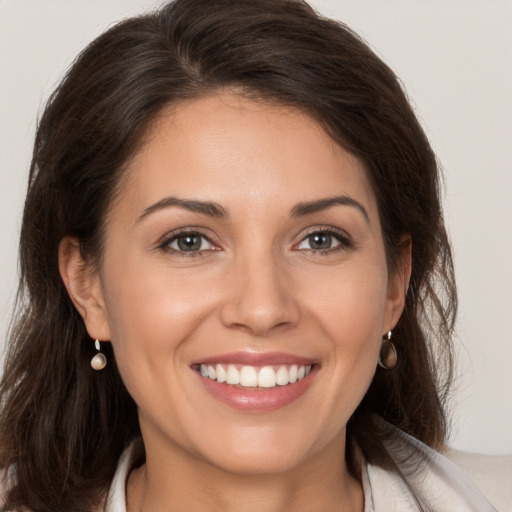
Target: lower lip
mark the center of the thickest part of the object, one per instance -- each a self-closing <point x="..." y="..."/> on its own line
<point x="258" y="399"/>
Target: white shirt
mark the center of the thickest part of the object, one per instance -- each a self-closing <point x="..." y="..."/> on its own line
<point x="436" y="481"/>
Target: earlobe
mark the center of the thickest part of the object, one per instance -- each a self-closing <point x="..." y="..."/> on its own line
<point x="399" y="281"/>
<point x="84" y="288"/>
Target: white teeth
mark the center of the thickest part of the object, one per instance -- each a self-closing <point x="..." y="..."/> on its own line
<point x="267" y="377"/>
<point x="221" y="373"/>
<point x="282" y="376"/>
<point x="293" y="374"/>
<point x="248" y="377"/>
<point x="233" y="375"/>
<point x="251" y="376"/>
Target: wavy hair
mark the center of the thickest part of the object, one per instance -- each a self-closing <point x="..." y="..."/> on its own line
<point x="64" y="426"/>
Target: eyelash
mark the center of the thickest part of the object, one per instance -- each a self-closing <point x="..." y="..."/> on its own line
<point x="344" y="240"/>
<point x="165" y="244"/>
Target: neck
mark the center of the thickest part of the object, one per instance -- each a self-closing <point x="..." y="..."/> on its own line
<point x="322" y="483"/>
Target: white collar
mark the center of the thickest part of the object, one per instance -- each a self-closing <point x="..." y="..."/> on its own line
<point x="436" y="481"/>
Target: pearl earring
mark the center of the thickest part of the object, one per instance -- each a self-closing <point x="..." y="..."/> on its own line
<point x="99" y="361"/>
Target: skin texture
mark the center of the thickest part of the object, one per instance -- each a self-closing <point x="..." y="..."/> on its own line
<point x="255" y="285"/>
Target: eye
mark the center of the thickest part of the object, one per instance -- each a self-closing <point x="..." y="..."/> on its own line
<point x="188" y="242"/>
<point x="323" y="241"/>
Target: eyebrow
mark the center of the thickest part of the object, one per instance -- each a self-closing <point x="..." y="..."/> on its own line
<point x="308" y="208"/>
<point x="204" y="207"/>
<point x="216" y="210"/>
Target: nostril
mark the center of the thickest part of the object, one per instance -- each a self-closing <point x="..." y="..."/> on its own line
<point x="259" y="304"/>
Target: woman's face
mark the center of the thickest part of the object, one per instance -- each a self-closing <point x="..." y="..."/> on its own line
<point x="246" y="244"/>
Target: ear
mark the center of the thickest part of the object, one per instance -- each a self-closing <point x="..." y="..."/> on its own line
<point x="84" y="288"/>
<point x="399" y="283"/>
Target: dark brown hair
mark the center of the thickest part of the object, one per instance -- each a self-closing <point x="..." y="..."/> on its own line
<point x="62" y="425"/>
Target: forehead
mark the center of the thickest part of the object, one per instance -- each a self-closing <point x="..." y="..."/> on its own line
<point x="241" y="153"/>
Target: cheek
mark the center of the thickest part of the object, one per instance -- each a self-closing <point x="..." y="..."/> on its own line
<point x="351" y="310"/>
<point x="142" y="296"/>
<point x="351" y="303"/>
<point x="150" y="317"/>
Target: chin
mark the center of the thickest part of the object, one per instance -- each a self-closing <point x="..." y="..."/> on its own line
<point x="251" y="463"/>
<point x="261" y="451"/>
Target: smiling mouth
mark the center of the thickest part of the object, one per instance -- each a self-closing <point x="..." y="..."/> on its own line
<point x="246" y="376"/>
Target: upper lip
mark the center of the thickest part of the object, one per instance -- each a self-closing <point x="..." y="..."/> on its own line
<point x="256" y="359"/>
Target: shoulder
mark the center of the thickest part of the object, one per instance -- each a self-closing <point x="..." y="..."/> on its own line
<point x="419" y="475"/>
<point x="3" y="486"/>
<point x="7" y="481"/>
<point x="116" y="498"/>
<point x="491" y="473"/>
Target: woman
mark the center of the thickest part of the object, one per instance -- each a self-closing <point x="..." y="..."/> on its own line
<point x="239" y="291"/>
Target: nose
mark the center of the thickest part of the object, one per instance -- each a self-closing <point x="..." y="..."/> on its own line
<point x="261" y="298"/>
